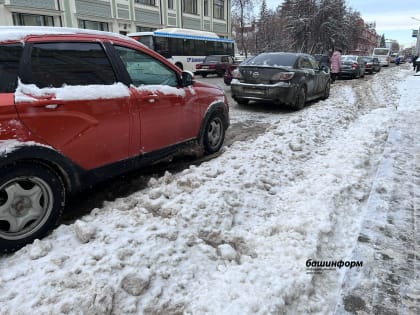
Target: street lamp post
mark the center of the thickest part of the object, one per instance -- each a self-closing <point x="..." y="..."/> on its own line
<point x="418" y="38"/>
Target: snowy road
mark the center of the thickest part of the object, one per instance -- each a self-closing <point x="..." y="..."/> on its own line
<point x="241" y="233"/>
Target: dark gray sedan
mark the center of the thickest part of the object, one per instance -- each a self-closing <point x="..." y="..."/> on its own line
<point x="284" y="78"/>
<point x="352" y="66"/>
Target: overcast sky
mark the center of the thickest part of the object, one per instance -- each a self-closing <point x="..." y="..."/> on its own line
<point x="393" y="18"/>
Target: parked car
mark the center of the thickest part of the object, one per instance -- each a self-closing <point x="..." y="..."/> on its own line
<point x="371" y="64"/>
<point x="87" y="106"/>
<point x="323" y="60"/>
<point x="214" y="64"/>
<point x="279" y="77"/>
<point x="352" y="66"/>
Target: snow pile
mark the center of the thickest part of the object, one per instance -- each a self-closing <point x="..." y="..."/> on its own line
<point x="231" y="236"/>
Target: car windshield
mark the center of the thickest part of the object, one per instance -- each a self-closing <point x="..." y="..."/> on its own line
<point x="348" y="58"/>
<point x="272" y="60"/>
<point x="367" y="59"/>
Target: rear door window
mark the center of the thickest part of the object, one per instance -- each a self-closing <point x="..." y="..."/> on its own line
<point x="58" y="64"/>
<point x="146" y="70"/>
<point x="9" y="65"/>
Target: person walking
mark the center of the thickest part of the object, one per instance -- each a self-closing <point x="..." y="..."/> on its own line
<point x="335" y="64"/>
<point x="414" y="61"/>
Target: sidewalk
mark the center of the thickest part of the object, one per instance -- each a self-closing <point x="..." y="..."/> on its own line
<point x="388" y="244"/>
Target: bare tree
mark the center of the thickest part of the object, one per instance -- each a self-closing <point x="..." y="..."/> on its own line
<point x="311" y="26"/>
<point x="243" y="17"/>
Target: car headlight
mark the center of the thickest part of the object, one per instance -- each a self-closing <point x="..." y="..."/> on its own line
<point x="236" y="74"/>
<point x="282" y="76"/>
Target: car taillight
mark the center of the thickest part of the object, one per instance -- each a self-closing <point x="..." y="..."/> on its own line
<point x="212" y="67"/>
<point x="236" y="74"/>
<point x="198" y="66"/>
<point x="355" y="66"/>
<point x="282" y="76"/>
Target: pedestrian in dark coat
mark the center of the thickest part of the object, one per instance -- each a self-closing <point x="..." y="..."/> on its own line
<point x="414" y="61"/>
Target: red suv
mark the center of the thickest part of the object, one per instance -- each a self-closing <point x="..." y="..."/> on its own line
<point x="79" y="106"/>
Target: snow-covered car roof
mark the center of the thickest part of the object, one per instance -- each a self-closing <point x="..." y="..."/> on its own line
<point x="19" y="33"/>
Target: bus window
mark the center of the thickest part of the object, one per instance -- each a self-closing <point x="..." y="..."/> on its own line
<point x="186" y="48"/>
<point x="162" y="46"/>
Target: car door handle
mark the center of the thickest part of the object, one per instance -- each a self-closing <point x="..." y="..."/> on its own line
<point x="49" y="104"/>
<point x="152" y="98"/>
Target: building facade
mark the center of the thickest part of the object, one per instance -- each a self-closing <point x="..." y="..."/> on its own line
<point x="368" y="39"/>
<point x="120" y="16"/>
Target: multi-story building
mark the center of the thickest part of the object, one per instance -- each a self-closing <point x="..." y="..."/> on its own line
<point x="120" y="16"/>
<point x="367" y="39"/>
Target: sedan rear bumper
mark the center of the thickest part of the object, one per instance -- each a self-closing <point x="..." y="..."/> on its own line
<point x="281" y="92"/>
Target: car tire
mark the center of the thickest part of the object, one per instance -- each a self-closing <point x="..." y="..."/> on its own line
<point x="300" y="99"/>
<point x="32" y="198"/>
<point x="214" y="133"/>
<point x="327" y="90"/>
<point x="204" y="75"/>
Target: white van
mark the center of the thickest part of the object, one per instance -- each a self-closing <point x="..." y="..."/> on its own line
<point x="383" y="55"/>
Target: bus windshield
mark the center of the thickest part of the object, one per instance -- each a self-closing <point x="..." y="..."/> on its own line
<point x="381" y="51"/>
<point x="146" y="40"/>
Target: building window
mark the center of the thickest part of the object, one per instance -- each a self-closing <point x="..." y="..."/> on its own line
<point x="170" y="4"/>
<point x="190" y="6"/>
<point x="147" y="2"/>
<point x="144" y="29"/>
<point x="206" y="7"/>
<point x="32" y="19"/>
<point x="219" y="9"/>
<point x="94" y="25"/>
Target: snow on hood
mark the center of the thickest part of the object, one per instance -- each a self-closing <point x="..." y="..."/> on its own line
<point x="31" y="93"/>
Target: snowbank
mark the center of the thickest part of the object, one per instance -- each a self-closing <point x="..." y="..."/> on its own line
<point x="231" y="236"/>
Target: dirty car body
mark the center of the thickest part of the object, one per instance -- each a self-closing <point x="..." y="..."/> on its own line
<point x="80" y="106"/>
<point x="283" y="78"/>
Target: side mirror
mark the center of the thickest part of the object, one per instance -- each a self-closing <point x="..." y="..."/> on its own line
<point x="187" y="78"/>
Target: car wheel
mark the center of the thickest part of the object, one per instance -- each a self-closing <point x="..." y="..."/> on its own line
<point x="31" y="202"/>
<point x="204" y="75"/>
<point x="300" y="99"/>
<point x="214" y="133"/>
<point x="327" y="90"/>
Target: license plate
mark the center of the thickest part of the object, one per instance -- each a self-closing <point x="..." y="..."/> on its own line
<point x="254" y="91"/>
